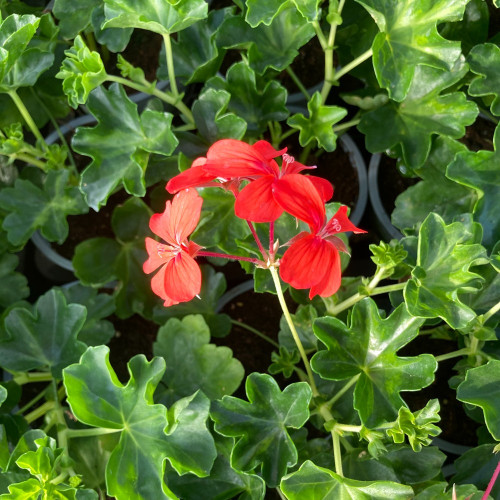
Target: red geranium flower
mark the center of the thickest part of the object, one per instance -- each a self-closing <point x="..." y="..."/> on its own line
<point x="229" y="161"/>
<point x="179" y="278"/>
<point x="313" y="259"/>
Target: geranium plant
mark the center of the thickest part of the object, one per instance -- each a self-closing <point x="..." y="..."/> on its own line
<point x="216" y="152"/>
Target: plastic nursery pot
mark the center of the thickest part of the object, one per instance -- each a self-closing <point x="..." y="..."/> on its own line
<point x="382" y="219"/>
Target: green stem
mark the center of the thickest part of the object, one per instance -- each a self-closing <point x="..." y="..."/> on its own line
<point x="345" y="125"/>
<point x="31" y="160"/>
<point x="98" y="431"/>
<point x="40" y="411"/>
<point x="346" y="444"/>
<point x="356" y="62"/>
<point x="388" y="288"/>
<point x="305" y="153"/>
<point x="170" y="64"/>
<point x="296" y="338"/>
<point x="256" y="332"/>
<point x="337" y="454"/>
<point x="321" y="36"/>
<point x="27" y="377"/>
<point x="455" y="354"/>
<point x="169" y="99"/>
<point x="297" y="82"/>
<point x="30" y="403"/>
<point x="342" y="391"/>
<point x="288" y="133"/>
<point x="487" y="315"/>
<point x="27" y="118"/>
<point x="348" y="428"/>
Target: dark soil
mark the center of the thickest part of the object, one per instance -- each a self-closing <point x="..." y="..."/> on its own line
<point x="479" y="135"/>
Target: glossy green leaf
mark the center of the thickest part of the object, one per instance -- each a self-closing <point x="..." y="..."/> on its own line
<point x="21" y="63"/>
<point x="73" y="16"/>
<point x="425" y="111"/>
<point x="45" y="337"/>
<point x="476" y="466"/>
<point x="443" y="491"/>
<point x="31" y="207"/>
<point x="445" y="253"/>
<point x="97" y="398"/>
<point x="82" y="71"/>
<point x="261" y="11"/>
<point x="212" y="119"/>
<point x="257" y="104"/>
<point x="193" y="363"/>
<point x="484" y="61"/>
<point x="367" y="347"/>
<point x="418" y="426"/>
<point x="14" y="285"/>
<point x="436" y="192"/>
<point x="115" y="39"/>
<point x="316" y="483"/>
<point x="96" y="330"/>
<point x="218" y="224"/>
<point x="481" y="387"/>
<point x="318" y="126"/>
<point x="120" y="144"/>
<point x="213" y="286"/>
<point x="98" y="261"/>
<point x="260" y="425"/>
<point x="195" y="52"/>
<point x="161" y="17"/>
<point x="274" y="46"/>
<point x="409" y="38"/>
<point x="27" y="490"/>
<point x="479" y="171"/>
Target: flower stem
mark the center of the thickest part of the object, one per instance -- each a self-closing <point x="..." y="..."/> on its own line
<point x="27" y="377"/>
<point x="255" y="331"/>
<point x="492" y="482"/>
<point x="455" y="354"/>
<point x="257" y="240"/>
<point x="31" y="160"/>
<point x="355" y="62"/>
<point x="30" y="403"/>
<point x="40" y="411"/>
<point x="487" y="315"/>
<point x="300" y="347"/>
<point x="27" y="118"/>
<point x="271" y="240"/>
<point x="337" y="454"/>
<point x="297" y="82"/>
<point x="170" y="64"/>
<point x="232" y="257"/>
<point x="345" y="125"/>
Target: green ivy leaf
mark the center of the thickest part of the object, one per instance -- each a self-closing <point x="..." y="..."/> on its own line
<point x="274" y="46"/>
<point x="195" y="52"/>
<point x="73" y="17"/>
<point x="257" y="105"/>
<point x="443" y="491"/>
<point x="388" y="255"/>
<point x="82" y="71"/>
<point x="96" y="330"/>
<point x="435" y="192"/>
<point x="97" y="398"/>
<point x="484" y="61"/>
<point x="193" y="363"/>
<point x="43" y="337"/>
<point x="481" y="387"/>
<point x="98" y="261"/>
<point x="120" y="144"/>
<point x="409" y="38"/>
<point x="14" y="285"/>
<point x="212" y="119"/>
<point x="316" y="483"/>
<point x="318" y="127"/>
<point x="22" y="62"/>
<point x="30" y="207"/>
<point x="284" y="362"/>
<point x="425" y="111"/>
<point x="367" y="347"/>
<point x="418" y="426"/>
<point x="265" y="12"/>
<point x="261" y="425"/>
<point x="445" y="253"/>
<point x="115" y="39"/>
<point x="479" y="171"/>
<point x="163" y="18"/>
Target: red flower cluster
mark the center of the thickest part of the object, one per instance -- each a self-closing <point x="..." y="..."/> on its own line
<point x="312" y="259"/>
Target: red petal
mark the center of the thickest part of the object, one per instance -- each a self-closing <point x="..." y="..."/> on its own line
<point x="297" y="195"/>
<point x="266" y="150"/>
<point x="192" y="177"/>
<point x="332" y="276"/>
<point x="324" y="187"/>
<point x="182" y="278"/>
<point x="339" y="223"/>
<point x="306" y="261"/>
<point x="230" y="158"/>
<point x="160" y="224"/>
<point x="156" y="258"/>
<point x="256" y="202"/>
<point x="290" y="166"/>
<point x="185" y="213"/>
